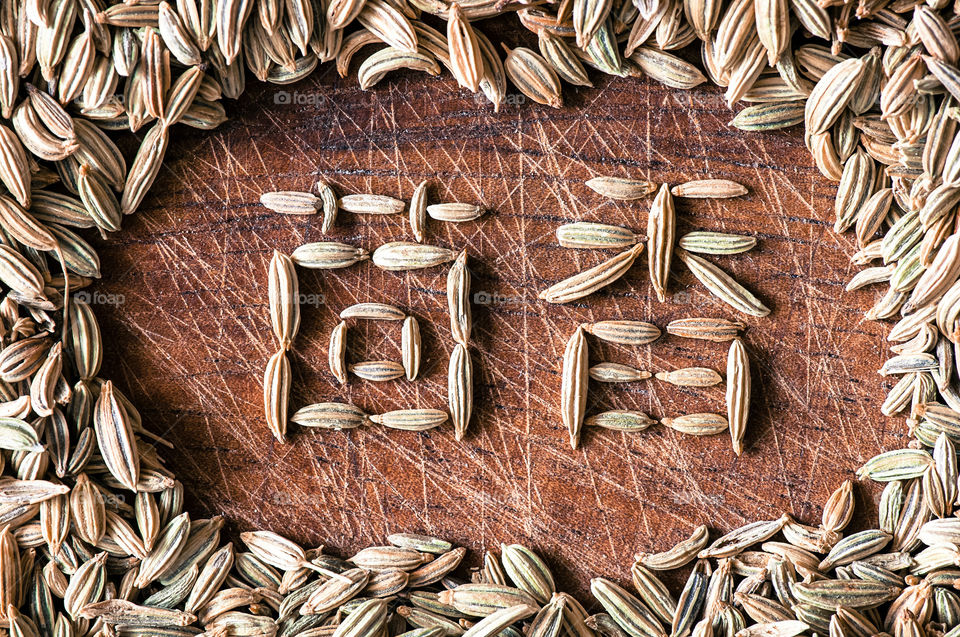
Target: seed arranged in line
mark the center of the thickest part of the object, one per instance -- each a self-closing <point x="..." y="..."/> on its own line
<point x="723" y="286"/>
<point x="330" y="416"/>
<point x="284" y="296"/>
<point x="291" y="202"/>
<point x="691" y="377"/>
<point x="418" y="211"/>
<point x="329" y="204"/>
<point x="458" y="300"/>
<point x="371" y="204"/>
<point x="456" y="212"/>
<point x="404" y="255"/>
<point x="697" y="424"/>
<point x="378" y="371"/>
<point x="573" y="385"/>
<point x="276" y="394"/>
<point x="641" y="333"/>
<point x="709" y="189"/>
<point x="624" y="332"/>
<point x="707" y="329"/>
<point x="583" y="234"/>
<point x="592" y="279"/>
<point x="373" y="312"/>
<point x="622" y="188"/>
<point x="460" y="389"/>
<point x="661" y="244"/>
<point x="738" y="393"/>
<point x="716" y="243"/>
<point x="661" y="234"/>
<point x="616" y="373"/>
<point x="411" y="419"/>
<point x="410" y="346"/>
<point x="337" y="352"/>
<point x="628" y="421"/>
<point x="329" y="255"/>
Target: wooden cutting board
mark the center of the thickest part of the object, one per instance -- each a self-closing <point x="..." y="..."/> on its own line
<point x="187" y="331"/>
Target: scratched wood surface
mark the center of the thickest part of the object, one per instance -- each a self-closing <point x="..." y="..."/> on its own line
<point x="188" y="333"/>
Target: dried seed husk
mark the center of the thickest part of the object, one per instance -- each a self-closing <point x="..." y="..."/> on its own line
<point x="627" y="611"/>
<point x="466" y="60"/>
<point x="437" y="569"/>
<point x="284" y="293"/>
<point x="115" y="438"/>
<point x="679" y="555"/>
<point x="661" y="234"/>
<point x="563" y="60"/>
<point x="375" y="68"/>
<point x="831" y="94"/>
<point x="709" y="329"/>
<point x="418" y="210"/>
<point x="653" y="592"/>
<point x="145" y="167"/>
<point x="616" y="373"/>
<point x="738" y="393"/>
<point x="411" y="419"/>
<point x="767" y="117"/>
<point x="335" y="591"/>
<point x="624" y="332"/>
<point x="533" y="76"/>
<point x="583" y="234"/>
<point x="458" y="300"/>
<point x="481" y="599"/>
<point x="620" y="420"/>
<point x="573" y="385"/>
<point x="528" y="571"/>
<point x="829" y="594"/>
<point x="373" y="312"/>
<point x="421" y="543"/>
<point x="838" y="510"/>
<point x="709" y="189"/>
<point x="378" y="371"/>
<point x="276" y="394"/>
<point x="330" y="416"/>
<point x="327" y="255"/>
<point x="723" y="286"/>
<point x="704" y="424"/>
<point x="666" y="68"/>
<point x="739" y="539"/>
<point x="690" y="602"/>
<point x="691" y="377"/>
<point x="337" y="352"/>
<point x="404" y="255"/>
<point x="855" y="547"/>
<point x="495" y="622"/>
<point x="371" y="204"/>
<point x="460" y="389"/>
<point x="329" y="204"/>
<point x="703" y="242"/>
<point x="592" y="279"/>
<point x="621" y="188"/>
<point x="410" y="347"/>
<point x="291" y="202"/>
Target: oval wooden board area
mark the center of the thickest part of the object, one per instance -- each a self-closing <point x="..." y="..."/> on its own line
<point x="189" y="334"/>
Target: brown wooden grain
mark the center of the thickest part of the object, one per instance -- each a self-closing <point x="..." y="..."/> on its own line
<point x="194" y="331"/>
